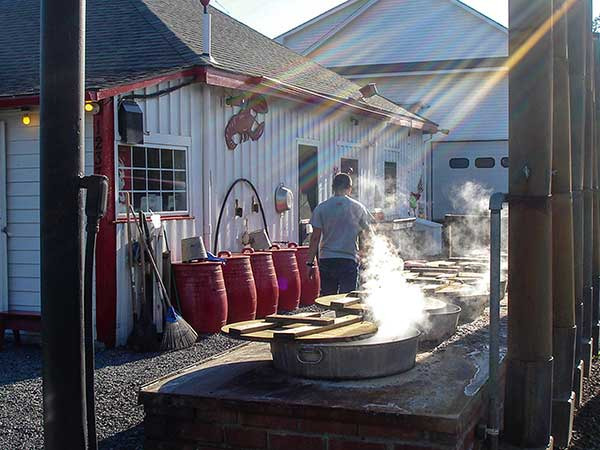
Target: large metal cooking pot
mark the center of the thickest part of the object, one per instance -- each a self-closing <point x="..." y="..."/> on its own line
<point x="441" y="324"/>
<point x="367" y="358"/>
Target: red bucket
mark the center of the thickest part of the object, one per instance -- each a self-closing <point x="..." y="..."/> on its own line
<point x="288" y="277"/>
<point x="240" y="286"/>
<point x="201" y="289"/>
<point x="265" y="278"/>
<point x="309" y="289"/>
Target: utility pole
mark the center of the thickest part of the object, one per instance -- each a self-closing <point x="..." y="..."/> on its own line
<point x="588" y="202"/>
<point x="528" y="400"/>
<point x="61" y="164"/>
<point x="564" y="333"/>
<point x="577" y="67"/>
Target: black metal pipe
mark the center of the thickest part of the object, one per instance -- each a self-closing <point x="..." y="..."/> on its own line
<point x="96" y="187"/>
<point x="493" y="428"/>
<point x="61" y="163"/>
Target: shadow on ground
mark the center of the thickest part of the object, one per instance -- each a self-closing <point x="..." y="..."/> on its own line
<point x="133" y="439"/>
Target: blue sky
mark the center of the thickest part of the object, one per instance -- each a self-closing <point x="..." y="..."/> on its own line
<point x="273" y="17"/>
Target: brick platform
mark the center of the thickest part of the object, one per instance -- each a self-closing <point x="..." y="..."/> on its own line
<point x="238" y="401"/>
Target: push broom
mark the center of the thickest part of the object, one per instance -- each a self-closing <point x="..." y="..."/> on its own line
<point x="177" y="333"/>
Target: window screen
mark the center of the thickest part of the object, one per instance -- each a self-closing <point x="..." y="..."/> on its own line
<point x="459" y="163"/>
<point x="485" y="163"/>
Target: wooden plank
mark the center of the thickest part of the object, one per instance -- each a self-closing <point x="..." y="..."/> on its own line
<point x="307" y="330"/>
<point x="287" y="320"/>
<point x="345" y="302"/>
<point x="248" y="328"/>
<point x="261" y="325"/>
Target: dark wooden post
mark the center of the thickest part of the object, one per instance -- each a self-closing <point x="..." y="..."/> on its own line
<point x="588" y="215"/>
<point x="577" y="66"/>
<point x="563" y="282"/>
<point x="528" y="404"/>
<point x="596" y="265"/>
<point x="61" y="164"/>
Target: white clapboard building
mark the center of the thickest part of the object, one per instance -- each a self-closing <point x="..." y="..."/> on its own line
<point x="440" y="58"/>
<point x="251" y="109"/>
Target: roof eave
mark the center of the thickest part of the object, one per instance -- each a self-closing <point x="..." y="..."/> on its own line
<point x="219" y="77"/>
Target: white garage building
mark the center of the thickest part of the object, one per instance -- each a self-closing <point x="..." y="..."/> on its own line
<point x="439" y="58"/>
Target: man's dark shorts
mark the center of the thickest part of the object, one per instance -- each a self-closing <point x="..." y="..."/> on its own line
<point x="338" y="275"/>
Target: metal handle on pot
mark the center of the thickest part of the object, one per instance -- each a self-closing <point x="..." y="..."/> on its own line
<point x="247" y="250"/>
<point x="309" y="355"/>
<point x="224" y="253"/>
<point x="275" y="247"/>
<point x="292" y="245"/>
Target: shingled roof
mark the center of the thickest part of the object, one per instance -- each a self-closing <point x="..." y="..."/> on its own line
<point x="131" y="40"/>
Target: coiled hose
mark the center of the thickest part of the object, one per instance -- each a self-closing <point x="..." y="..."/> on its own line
<point x="262" y="210"/>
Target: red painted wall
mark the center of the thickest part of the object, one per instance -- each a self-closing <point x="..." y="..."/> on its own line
<point x="106" y="254"/>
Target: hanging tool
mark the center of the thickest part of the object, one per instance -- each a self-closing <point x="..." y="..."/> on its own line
<point x="131" y="262"/>
<point x="144" y="336"/>
<point x="178" y="334"/>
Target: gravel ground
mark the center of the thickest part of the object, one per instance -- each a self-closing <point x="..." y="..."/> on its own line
<point x="119" y="375"/>
<point x="586" y="427"/>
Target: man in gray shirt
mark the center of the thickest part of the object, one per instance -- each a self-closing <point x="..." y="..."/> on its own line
<point x="337" y="224"/>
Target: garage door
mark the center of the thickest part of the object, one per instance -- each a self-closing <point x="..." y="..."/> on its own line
<point x="455" y="163"/>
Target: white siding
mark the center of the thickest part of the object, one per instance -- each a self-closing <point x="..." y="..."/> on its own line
<point x="306" y="37"/>
<point x="271" y="160"/>
<point x="23" y="215"/>
<point x="473" y="106"/>
<point x="394" y="31"/>
<point x="195" y="117"/>
<point x="167" y="121"/>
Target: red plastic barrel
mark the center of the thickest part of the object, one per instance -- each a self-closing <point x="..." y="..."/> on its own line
<point x="288" y="277"/>
<point x="309" y="289"/>
<point x="202" y="294"/>
<point x="267" y="290"/>
<point x="240" y="286"/>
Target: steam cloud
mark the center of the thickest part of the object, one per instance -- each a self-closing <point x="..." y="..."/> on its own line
<point x="396" y="305"/>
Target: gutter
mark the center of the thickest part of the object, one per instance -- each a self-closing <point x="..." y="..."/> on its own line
<point x="223" y="78"/>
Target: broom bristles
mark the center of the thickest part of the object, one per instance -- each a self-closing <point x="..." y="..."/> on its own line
<point x="178" y="334"/>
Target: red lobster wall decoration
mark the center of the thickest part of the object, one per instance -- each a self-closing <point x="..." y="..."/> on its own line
<point x="244" y="124"/>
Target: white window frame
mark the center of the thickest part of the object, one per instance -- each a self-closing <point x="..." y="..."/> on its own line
<point x="159" y="146"/>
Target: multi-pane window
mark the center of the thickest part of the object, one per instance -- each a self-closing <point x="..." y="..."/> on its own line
<point x="156" y="178"/>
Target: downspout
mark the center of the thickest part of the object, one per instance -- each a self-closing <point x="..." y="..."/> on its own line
<point x="528" y="405"/>
<point x="564" y="331"/>
<point x="577" y="63"/>
<point x="207" y="151"/>
<point x="493" y="429"/>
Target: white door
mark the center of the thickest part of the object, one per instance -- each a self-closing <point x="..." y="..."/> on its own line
<point x="3" y="223"/>
<point x="455" y="163"/>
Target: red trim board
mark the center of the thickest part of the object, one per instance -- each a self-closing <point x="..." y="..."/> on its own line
<point x="106" y="253"/>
